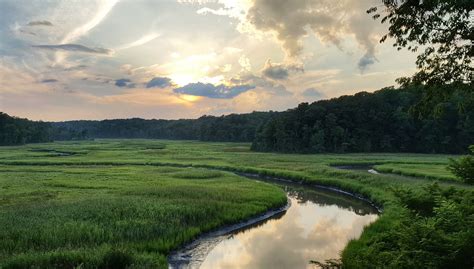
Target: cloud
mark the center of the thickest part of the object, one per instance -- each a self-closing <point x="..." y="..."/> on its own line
<point x="159" y="82"/>
<point x="261" y="83"/>
<point x="124" y="82"/>
<point x="278" y="71"/>
<point x="102" y="11"/>
<point x="143" y="40"/>
<point x="75" y="47"/>
<point x="330" y="20"/>
<point x="40" y="23"/>
<point x="312" y="92"/>
<point x="365" y="61"/>
<point x="275" y="71"/>
<point x="233" y="9"/>
<point x="244" y="62"/>
<point x="49" y="80"/>
<point x="208" y="90"/>
<point x="218" y="12"/>
<point x="19" y="81"/>
<point x="76" y="67"/>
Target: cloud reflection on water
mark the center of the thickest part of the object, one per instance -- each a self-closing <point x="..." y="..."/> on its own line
<point x="308" y="231"/>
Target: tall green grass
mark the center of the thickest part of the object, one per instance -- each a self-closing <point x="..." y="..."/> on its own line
<point x="91" y="216"/>
<point x="136" y="199"/>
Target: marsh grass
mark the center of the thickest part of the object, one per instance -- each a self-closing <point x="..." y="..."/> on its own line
<point x="428" y="171"/>
<point x="65" y="216"/>
<point x="143" y="198"/>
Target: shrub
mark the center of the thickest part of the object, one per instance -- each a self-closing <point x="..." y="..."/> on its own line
<point x="463" y="168"/>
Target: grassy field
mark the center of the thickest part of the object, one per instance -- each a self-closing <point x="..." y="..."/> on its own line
<point x="429" y="171"/>
<point x="108" y="216"/>
<point x="95" y="202"/>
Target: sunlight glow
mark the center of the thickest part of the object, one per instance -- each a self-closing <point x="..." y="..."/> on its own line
<point x="190" y="98"/>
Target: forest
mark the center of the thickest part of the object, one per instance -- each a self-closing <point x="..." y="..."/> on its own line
<point x="17" y="131"/>
<point x="388" y="120"/>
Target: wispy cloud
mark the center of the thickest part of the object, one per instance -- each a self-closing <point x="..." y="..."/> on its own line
<point x="75" y="47"/>
<point x="40" y="23"/>
<point x="102" y="12"/>
<point x="143" y="40"/>
<point x="50" y="80"/>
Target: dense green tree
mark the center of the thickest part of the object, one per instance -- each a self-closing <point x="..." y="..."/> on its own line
<point x="444" y="29"/>
<point x="231" y="128"/>
<point x="374" y="122"/>
<point x="15" y="131"/>
<point x="464" y="167"/>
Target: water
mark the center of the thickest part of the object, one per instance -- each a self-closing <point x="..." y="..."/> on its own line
<point x="317" y="226"/>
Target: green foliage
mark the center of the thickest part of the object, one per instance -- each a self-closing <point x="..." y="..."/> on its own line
<point x="388" y="120"/>
<point x="444" y="28"/>
<point x="431" y="229"/>
<point x="464" y="167"/>
<point x="328" y="264"/>
<point x="428" y="171"/>
<point x="146" y="197"/>
<point x="198" y="174"/>
<point x="17" y="131"/>
<point x="234" y="128"/>
<point x="122" y="216"/>
<point x="116" y="259"/>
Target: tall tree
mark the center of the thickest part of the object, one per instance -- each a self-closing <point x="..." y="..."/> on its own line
<point x="443" y="28"/>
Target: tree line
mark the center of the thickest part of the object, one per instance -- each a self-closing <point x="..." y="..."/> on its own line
<point x="229" y="128"/>
<point x="388" y="120"/>
<point x="16" y="131"/>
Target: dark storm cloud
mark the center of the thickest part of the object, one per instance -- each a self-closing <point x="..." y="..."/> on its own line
<point x="159" y="82"/>
<point x="208" y="90"/>
<point x="74" y="47"/>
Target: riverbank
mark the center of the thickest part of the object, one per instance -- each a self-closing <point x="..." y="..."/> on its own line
<point x="194" y="254"/>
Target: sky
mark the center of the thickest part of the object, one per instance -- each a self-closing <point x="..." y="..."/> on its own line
<point x="67" y="60"/>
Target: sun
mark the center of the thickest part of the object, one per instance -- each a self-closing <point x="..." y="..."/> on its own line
<point x="190" y="98"/>
<point x="182" y="79"/>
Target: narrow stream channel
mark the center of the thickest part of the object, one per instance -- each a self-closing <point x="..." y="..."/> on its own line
<point x="316" y="226"/>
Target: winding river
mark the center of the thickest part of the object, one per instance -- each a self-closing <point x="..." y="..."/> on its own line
<point x="316" y="225"/>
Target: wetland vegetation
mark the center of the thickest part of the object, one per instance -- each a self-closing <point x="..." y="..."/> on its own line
<point x="131" y="202"/>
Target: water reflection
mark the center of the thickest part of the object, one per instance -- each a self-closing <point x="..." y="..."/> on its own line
<point x="317" y="226"/>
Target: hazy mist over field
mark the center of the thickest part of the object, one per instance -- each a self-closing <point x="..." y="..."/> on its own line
<point x="63" y="60"/>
